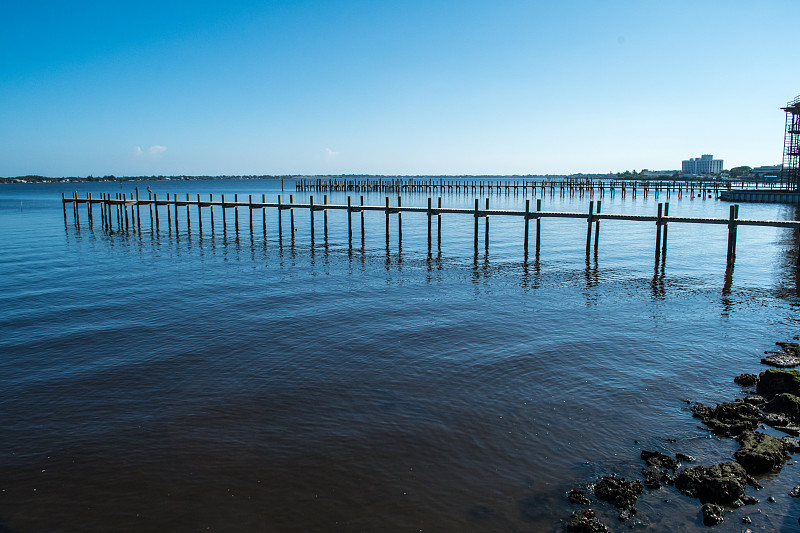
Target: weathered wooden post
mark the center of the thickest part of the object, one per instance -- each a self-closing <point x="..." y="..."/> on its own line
<point x="264" y="215"/>
<point x="311" y="211"/>
<point x="476" y="225"/>
<point x="596" y="228"/>
<point x="250" y="212"/>
<point x="486" y="225"/>
<point x="150" y="202"/>
<point x="224" y="217"/>
<point x="211" y="209"/>
<point x="75" y="208"/>
<point x="349" y="223"/>
<point x="175" y="208"/>
<point x="291" y="213"/>
<point x="89" y="209"/>
<point x="169" y="215"/>
<point x="658" y="230"/>
<point x="188" y="216"/>
<point x="429" y="224"/>
<point x="362" y="219"/>
<point x="325" y="216"/>
<point x="138" y="213"/>
<point x="399" y="223"/>
<point x="664" y="238"/>
<point x="527" y="222"/>
<point x="439" y="224"/>
<point x="589" y="219"/>
<point x="280" y="220"/>
<point x="732" y="226"/>
<point x="64" y="207"/>
<point x="236" y="211"/>
<point x="199" y="215"/>
<point x="387" y="222"/>
<point x="155" y="204"/>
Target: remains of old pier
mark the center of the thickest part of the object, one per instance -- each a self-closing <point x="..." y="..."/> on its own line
<point x="124" y="211"/>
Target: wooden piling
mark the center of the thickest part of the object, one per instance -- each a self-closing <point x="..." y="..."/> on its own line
<point x="596" y="228"/>
<point x="150" y="199"/>
<point x="362" y="223"/>
<point x="224" y="217"/>
<point x="732" y="228"/>
<point x="76" y="211"/>
<point x="199" y="216"/>
<point x="155" y="201"/>
<point x="188" y="215"/>
<point x="250" y="209"/>
<point x="538" y="226"/>
<point x="527" y="222"/>
<point x="399" y="223"/>
<point x="387" y="222"/>
<point x="349" y="223"/>
<point x="236" y="212"/>
<point x="664" y="236"/>
<point x="476" y="225"/>
<point x="291" y="213"/>
<point x="280" y="220"/>
<point x="264" y="214"/>
<point x="311" y="214"/>
<point x="589" y="219"/>
<point x="64" y="207"/>
<point x="211" y="210"/>
<point x="658" y="230"/>
<point x="439" y="225"/>
<point x="89" y="209"/>
<point x="429" y="224"/>
<point x="486" y="225"/>
<point x="325" y="218"/>
<point x="175" y="209"/>
<point x="138" y="213"/>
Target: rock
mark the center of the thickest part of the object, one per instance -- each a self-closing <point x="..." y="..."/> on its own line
<point x="683" y="458"/>
<point x="746" y="380"/>
<point x="782" y="422"/>
<point x="713" y="514"/>
<point x="578" y="497"/>
<point x="747" y="520"/>
<point x="749" y="500"/>
<point x="659" y="460"/>
<point x="730" y="418"/>
<point x="722" y="483"/>
<point x="584" y="521"/>
<point x="791" y="444"/>
<point x="754" y="399"/>
<point x="771" y="499"/>
<point x="655" y="477"/>
<point x="760" y="453"/>
<point x="774" y="381"/>
<point x="617" y="491"/>
<point x="795" y="492"/>
<point x="627" y="514"/>
<point x="785" y="403"/>
<point x="790" y="356"/>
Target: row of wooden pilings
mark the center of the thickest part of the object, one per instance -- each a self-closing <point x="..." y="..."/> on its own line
<point x="125" y="210"/>
<point x="561" y="187"/>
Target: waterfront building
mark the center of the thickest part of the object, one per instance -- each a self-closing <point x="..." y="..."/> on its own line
<point x="705" y="164"/>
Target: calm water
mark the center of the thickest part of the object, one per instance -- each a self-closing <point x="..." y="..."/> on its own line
<point x="204" y="382"/>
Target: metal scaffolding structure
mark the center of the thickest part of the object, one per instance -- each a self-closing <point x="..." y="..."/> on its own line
<point x="790" y="171"/>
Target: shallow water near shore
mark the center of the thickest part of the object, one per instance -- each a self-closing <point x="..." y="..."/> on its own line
<point x="215" y="382"/>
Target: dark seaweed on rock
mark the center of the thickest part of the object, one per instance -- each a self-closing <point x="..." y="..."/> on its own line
<point x="732" y="418"/>
<point x="617" y="491"/>
<point x="585" y="521"/>
<point x="760" y="453"/>
<point x="722" y="483"/>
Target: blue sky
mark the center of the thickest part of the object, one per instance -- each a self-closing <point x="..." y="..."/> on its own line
<point x="429" y="87"/>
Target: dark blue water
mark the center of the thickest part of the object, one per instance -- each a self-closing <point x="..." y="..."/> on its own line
<point x="215" y="382"/>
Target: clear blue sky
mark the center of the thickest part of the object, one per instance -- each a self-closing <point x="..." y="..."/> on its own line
<point x="388" y="87"/>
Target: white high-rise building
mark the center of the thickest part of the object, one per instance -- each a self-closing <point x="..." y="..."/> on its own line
<point x="705" y="164"/>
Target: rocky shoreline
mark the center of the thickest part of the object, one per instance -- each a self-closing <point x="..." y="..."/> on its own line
<point x="720" y="487"/>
